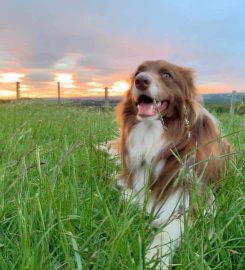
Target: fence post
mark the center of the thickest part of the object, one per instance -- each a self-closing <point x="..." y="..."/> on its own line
<point x="106" y="98"/>
<point x="233" y="101"/>
<point x="58" y="89"/>
<point x="17" y="90"/>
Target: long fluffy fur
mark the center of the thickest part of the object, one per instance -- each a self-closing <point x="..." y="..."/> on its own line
<point x="190" y="137"/>
<point x="205" y="142"/>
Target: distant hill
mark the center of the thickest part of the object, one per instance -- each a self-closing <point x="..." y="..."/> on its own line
<point x="207" y="98"/>
<point x="221" y="98"/>
<point x="99" y="101"/>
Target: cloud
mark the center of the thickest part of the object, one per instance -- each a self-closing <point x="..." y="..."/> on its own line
<point x="39" y="76"/>
<point x="45" y="32"/>
<point x="104" y="41"/>
<point x="6" y="93"/>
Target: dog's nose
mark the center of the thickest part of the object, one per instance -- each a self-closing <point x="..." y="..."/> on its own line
<point x="142" y="81"/>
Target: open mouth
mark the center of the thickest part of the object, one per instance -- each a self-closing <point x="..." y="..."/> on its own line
<point x="148" y="106"/>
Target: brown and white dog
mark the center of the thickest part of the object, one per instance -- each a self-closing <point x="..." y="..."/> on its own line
<point x="165" y="128"/>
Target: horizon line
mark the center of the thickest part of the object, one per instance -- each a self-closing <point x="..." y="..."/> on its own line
<point x="102" y="96"/>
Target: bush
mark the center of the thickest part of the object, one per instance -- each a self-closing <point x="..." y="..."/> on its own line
<point x="218" y="108"/>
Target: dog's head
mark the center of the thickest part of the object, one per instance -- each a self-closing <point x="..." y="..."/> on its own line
<point x="159" y="87"/>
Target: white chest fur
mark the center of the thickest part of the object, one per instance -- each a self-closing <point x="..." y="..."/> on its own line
<point x="144" y="143"/>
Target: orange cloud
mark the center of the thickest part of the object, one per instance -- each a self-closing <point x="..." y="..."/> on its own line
<point x="94" y="84"/>
<point x="214" y="88"/>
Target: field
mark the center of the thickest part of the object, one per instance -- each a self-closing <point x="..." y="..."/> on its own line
<point x="60" y="208"/>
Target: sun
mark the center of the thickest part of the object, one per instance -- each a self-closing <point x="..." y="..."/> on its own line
<point x="64" y="78"/>
<point x="120" y="87"/>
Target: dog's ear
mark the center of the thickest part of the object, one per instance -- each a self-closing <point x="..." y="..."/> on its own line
<point x="188" y="82"/>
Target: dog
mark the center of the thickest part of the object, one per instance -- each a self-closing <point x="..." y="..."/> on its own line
<point x="169" y="143"/>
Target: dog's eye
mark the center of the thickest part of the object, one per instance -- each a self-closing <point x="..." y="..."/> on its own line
<point x="165" y="75"/>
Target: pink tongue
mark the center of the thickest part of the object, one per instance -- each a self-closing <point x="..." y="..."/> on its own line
<point x="146" y="109"/>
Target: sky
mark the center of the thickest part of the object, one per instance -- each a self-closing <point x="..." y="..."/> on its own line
<point x="90" y="44"/>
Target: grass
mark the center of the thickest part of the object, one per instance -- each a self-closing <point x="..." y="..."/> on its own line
<point x="60" y="209"/>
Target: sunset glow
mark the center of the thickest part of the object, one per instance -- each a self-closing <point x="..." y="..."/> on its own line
<point x="120" y="87"/>
<point x="210" y="88"/>
<point x="66" y="80"/>
<point x="11" y="77"/>
<point x="94" y="84"/>
<point x="41" y="45"/>
<point x="7" y="93"/>
<point x="24" y="88"/>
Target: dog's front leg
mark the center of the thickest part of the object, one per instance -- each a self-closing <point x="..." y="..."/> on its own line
<point x="170" y="219"/>
<point x="164" y="244"/>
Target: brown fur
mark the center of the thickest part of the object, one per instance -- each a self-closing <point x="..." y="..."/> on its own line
<point x="204" y="143"/>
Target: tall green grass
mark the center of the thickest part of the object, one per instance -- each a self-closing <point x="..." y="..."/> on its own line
<point x="60" y="208"/>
